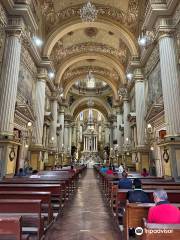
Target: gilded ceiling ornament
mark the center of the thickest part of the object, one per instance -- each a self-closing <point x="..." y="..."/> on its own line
<point x="129" y="18"/>
<point x="91" y="31"/>
<point x="88" y="12"/>
<point x="59" y="52"/>
<point x="71" y="74"/>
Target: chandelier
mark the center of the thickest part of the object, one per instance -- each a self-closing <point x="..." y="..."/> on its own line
<point x="88" y="12"/>
<point x="90" y="103"/>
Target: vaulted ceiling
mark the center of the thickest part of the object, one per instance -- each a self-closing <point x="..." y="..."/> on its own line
<point x="103" y="47"/>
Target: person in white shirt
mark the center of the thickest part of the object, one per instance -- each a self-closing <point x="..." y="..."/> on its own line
<point x="120" y="169"/>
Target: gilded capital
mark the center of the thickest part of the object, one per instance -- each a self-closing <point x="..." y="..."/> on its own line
<point x="123" y="93"/>
<point x="42" y="74"/>
<point x="15" y="26"/>
<point x="138" y="75"/>
<point x="165" y="27"/>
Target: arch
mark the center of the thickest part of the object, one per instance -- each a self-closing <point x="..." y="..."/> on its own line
<point x="111" y="83"/>
<point x="95" y="109"/>
<point x="106" y="59"/>
<point x="100" y="23"/>
<point x="81" y="103"/>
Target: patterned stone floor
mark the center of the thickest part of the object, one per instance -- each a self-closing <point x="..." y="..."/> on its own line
<point x="87" y="217"/>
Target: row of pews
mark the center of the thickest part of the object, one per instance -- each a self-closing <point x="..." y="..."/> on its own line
<point x="134" y="215"/>
<point x="30" y="205"/>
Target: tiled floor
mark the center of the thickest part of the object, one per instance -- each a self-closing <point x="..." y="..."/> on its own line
<point x="87" y="216"/>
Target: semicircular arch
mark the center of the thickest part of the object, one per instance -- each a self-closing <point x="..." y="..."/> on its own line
<point x="105" y="24"/>
<point x="97" y="56"/>
<point x="99" y="104"/>
<point x="110" y="82"/>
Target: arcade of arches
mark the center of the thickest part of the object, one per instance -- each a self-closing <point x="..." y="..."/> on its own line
<point x="78" y="92"/>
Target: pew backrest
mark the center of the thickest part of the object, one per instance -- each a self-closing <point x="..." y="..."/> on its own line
<point x="10" y="227"/>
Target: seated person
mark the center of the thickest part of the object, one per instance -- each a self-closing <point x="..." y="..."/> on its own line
<point x="35" y="174"/>
<point x="21" y="173"/>
<point x="109" y="171"/>
<point x="163" y="212"/>
<point x="72" y="170"/>
<point x="103" y="169"/>
<point x="138" y="195"/>
<point x="120" y="169"/>
<point x="144" y="173"/>
<point x="124" y="182"/>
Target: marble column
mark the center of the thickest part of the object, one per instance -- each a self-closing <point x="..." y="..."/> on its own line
<point x="74" y="139"/>
<point x="44" y="135"/>
<point x="114" y="126"/>
<point x="61" y="122"/>
<point x="47" y="137"/>
<point x="9" y="76"/>
<point x="119" y="132"/>
<point x="96" y="145"/>
<point x="170" y="83"/>
<point x="8" y="92"/>
<point x="53" y="128"/>
<point x="80" y="133"/>
<point x="66" y="135"/>
<point x="100" y="132"/>
<point x="106" y="127"/>
<point x="111" y="135"/>
<point x="84" y="144"/>
<point x="140" y="106"/>
<point x="127" y="132"/>
<point x="70" y="137"/>
<point x="40" y="107"/>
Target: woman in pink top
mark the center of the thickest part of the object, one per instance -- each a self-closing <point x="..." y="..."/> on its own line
<point x="163" y="212"/>
<point x="109" y="171"/>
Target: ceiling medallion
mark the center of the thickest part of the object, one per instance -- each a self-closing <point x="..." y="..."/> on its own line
<point x="88" y="12"/>
<point x="91" y="31"/>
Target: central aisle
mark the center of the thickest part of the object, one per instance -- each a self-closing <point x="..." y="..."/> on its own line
<point x="87" y="216"/>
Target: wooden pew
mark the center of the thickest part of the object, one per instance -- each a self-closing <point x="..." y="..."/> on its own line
<point x="30" y="210"/>
<point x="120" y="199"/>
<point x="134" y="214"/>
<point x="11" y="228"/>
<point x="152" y="231"/>
<point x="45" y="198"/>
<point x="54" y="189"/>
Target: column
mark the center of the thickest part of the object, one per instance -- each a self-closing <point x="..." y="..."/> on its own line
<point x="100" y="132"/>
<point x="66" y="135"/>
<point x="53" y="129"/>
<point x="96" y="144"/>
<point x="170" y="82"/>
<point x="84" y="144"/>
<point x="119" y="131"/>
<point x="106" y="127"/>
<point x="171" y="96"/>
<point x="74" y="133"/>
<point x="61" y="122"/>
<point x="140" y="106"/>
<point x="114" y="126"/>
<point x="111" y="135"/>
<point x="47" y="137"/>
<point x="8" y="92"/>
<point x="80" y="133"/>
<point x="70" y="138"/>
<point x="44" y="135"/>
<point x="9" y="76"/>
<point x="126" y="107"/>
<point x="40" y="107"/>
